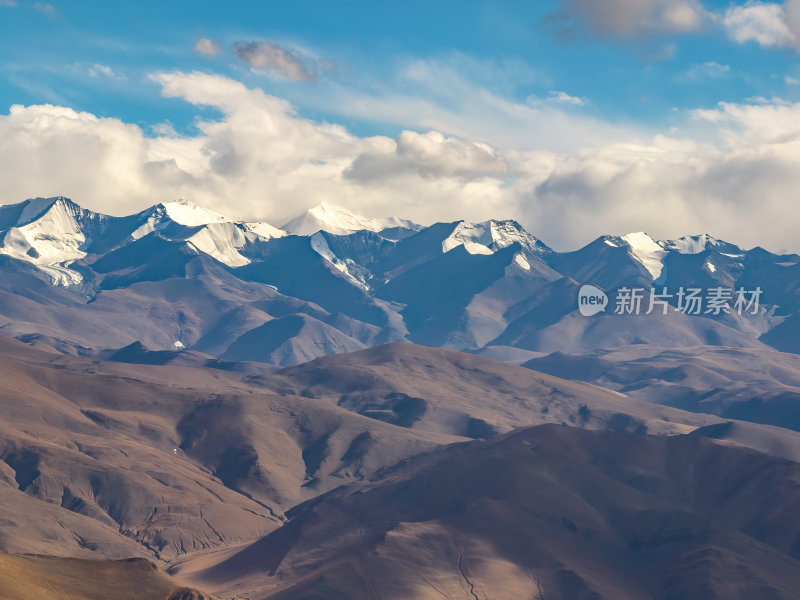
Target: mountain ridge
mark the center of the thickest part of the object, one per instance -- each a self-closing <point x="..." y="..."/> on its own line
<point x="177" y="273"/>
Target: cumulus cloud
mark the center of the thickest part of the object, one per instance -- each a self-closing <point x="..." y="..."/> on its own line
<point x="430" y="155"/>
<point x="258" y="161"/>
<point x="267" y="57"/>
<point x="741" y="187"/>
<point x="735" y="175"/>
<point x="769" y="24"/>
<point x="628" y="18"/>
<point x="207" y="47"/>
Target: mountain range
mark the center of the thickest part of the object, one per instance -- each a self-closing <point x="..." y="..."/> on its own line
<point x="179" y="276"/>
<point x="349" y="407"/>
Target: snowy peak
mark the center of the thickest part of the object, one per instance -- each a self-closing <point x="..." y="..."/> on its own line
<point x="17" y="215"/>
<point x="181" y="212"/>
<point x="490" y="236"/>
<point x="264" y="230"/>
<point x="643" y="249"/>
<point x="651" y="253"/>
<point x="208" y="231"/>
<point x="695" y="244"/>
<point x="51" y="233"/>
<point x="340" y="221"/>
<point x="186" y="213"/>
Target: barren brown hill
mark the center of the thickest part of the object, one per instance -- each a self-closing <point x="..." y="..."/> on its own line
<point x="468" y="395"/>
<point x="30" y="577"/>
<point x="758" y="385"/>
<point x="113" y="459"/>
<point x="549" y="512"/>
<point x="123" y="460"/>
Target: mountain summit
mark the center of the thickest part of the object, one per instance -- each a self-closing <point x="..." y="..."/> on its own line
<point x="340" y="221"/>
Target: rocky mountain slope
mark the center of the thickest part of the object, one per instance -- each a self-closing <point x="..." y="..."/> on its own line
<point x="550" y="512"/>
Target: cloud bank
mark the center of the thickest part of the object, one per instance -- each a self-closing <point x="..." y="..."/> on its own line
<point x="261" y="160"/>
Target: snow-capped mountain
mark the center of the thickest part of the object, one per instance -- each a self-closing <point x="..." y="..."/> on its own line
<point x="55" y="233"/>
<point x="340" y="221"/>
<point x="51" y="233"/>
<point x="490" y="236"/>
<point x="695" y="244"/>
<point x="180" y="212"/>
<point x="178" y="275"/>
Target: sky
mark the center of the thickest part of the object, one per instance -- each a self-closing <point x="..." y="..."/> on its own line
<point x="577" y="118"/>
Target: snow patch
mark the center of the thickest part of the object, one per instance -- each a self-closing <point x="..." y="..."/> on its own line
<point x="320" y="245"/>
<point x="221" y="241"/>
<point x="520" y="259"/>
<point x="265" y="230"/>
<point x="690" y="244"/>
<point x="646" y="251"/>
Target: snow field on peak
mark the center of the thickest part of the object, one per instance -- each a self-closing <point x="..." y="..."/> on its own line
<point x="647" y="251"/>
<point x="265" y="230"/>
<point x="689" y="244"/>
<point x="185" y="213"/>
<point x="487" y="237"/>
<point x="338" y="221"/>
<point x="221" y="241"/>
<point x="50" y="237"/>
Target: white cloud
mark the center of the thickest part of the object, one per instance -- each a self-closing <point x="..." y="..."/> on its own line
<point x="763" y="22"/>
<point x="98" y="70"/>
<point x="554" y="98"/>
<point x="432" y="156"/>
<point x="707" y="70"/>
<point x="8" y="2"/>
<point x="741" y="187"/>
<point x="565" y="98"/>
<point x="735" y="175"/>
<point x="260" y="160"/>
<point x="207" y="47"/>
<point x="267" y="57"/>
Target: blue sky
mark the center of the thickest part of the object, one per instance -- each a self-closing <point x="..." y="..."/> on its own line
<point x="51" y="55"/>
<point x="600" y="114"/>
